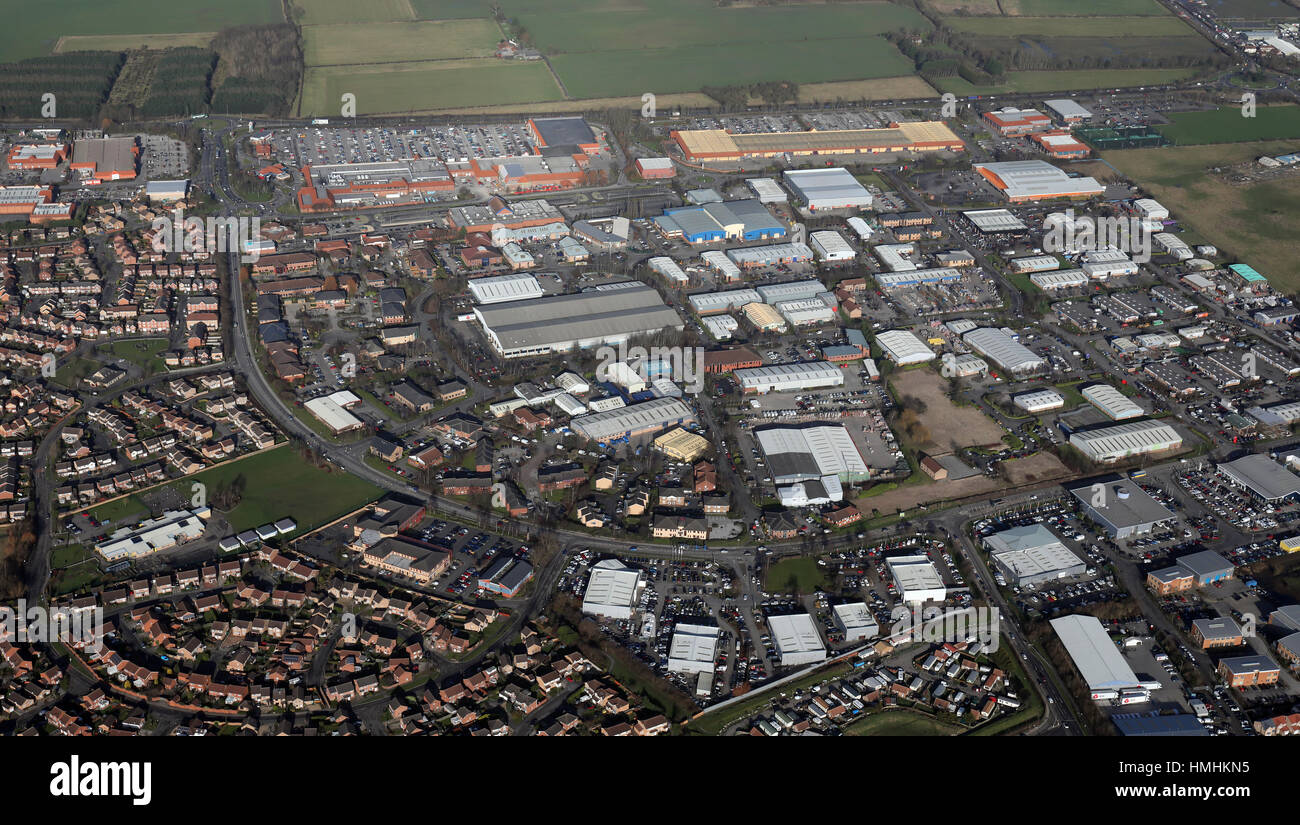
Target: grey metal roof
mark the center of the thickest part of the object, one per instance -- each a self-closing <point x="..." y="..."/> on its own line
<point x="563" y="319"/>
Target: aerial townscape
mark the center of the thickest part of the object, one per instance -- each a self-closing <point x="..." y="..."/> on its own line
<point x="599" y="368"/>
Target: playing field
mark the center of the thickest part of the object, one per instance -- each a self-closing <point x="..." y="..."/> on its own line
<point x="1069" y="81"/>
<point x="396" y="88"/>
<point x="32" y="33"/>
<point x="1253" y="222"/>
<point x="615" y="74"/>
<point x="122" y="42"/>
<point x="329" y="12"/>
<point x="354" y="43"/>
<point x="1230" y="126"/>
<point x="1109" y="27"/>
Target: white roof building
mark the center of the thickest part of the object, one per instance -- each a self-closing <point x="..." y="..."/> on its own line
<point x="995" y="220"/>
<point x="862" y="228"/>
<point x="613" y="590"/>
<point x="796" y="639"/>
<point x="1150" y="209"/>
<point x="834" y="188"/>
<point x="719" y="262"/>
<point x="708" y="302"/>
<point x="330" y="410"/>
<point x="168" y="530"/>
<point x="805" y="311"/>
<point x="1061" y="279"/>
<point x="720" y="326"/>
<point x="500" y="288"/>
<point x="903" y="347"/>
<point x="830" y="246"/>
<point x="1024" y="180"/>
<point x="892" y="255"/>
<point x="1114" y="404"/>
<point x="573" y="383"/>
<point x="806" y="375"/>
<point x="1003" y="350"/>
<point x="1033" y="554"/>
<point x="693" y="649"/>
<point x="668" y="269"/>
<point x="855" y="621"/>
<point x="1111" y="444"/>
<point x="811" y="452"/>
<point x="917" y="579"/>
<point x="767" y="190"/>
<point x="770" y="255"/>
<point x="1038" y="401"/>
<point x="791" y="291"/>
<point x="1095" y="655"/>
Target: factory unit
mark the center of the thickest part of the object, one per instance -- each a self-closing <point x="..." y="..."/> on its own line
<point x="1004" y="351"/>
<point x="613" y="590"/>
<point x="1030" y="555"/>
<point x="763" y="317"/>
<point x="1060" y="279"/>
<point x="561" y="323"/>
<point x="790" y="377"/>
<point x="708" y="303"/>
<point x="633" y="420"/>
<point x="668" y="269"/>
<point x="1263" y="477"/>
<point x="742" y="220"/>
<point x="721" y="264"/>
<point x="903" y="347"/>
<point x="893" y="256"/>
<point x="826" y="189"/>
<point x="994" y="221"/>
<point x="751" y="257"/>
<point x="693" y="649"/>
<point x="811" y="452"/>
<point x="831" y="247"/>
<point x="1035" y="263"/>
<point x="796" y="639"/>
<point x="498" y="289"/>
<point x="790" y="291"/>
<point x="855" y="621"/>
<point x="917" y="579"/>
<point x="1114" y="404"/>
<point x="1013" y="122"/>
<point x="1067" y="111"/>
<point x="1039" y="401"/>
<point x="719" y="145"/>
<point x="1095" y="656"/>
<point x="767" y="190"/>
<point x="917" y="277"/>
<point x="1115" y="443"/>
<point x="803" y="312"/>
<point x="1023" y="181"/>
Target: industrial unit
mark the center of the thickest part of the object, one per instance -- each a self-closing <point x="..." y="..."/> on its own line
<point x="1114" y="404"/>
<point x="903" y="347"/>
<point x="1033" y="554"/>
<point x="1004" y="351"/>
<point x="502" y="288"/>
<point x="613" y="589"/>
<point x="825" y="189"/>
<point x="796" y="639"/>
<point x="1110" y="444"/>
<point x="1119" y="506"/>
<point x="633" y="420"/>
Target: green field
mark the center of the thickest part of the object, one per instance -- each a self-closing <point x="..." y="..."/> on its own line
<point x="450" y="9"/>
<point x="1254" y="9"/>
<point x="1068" y="81"/>
<point x="901" y="723"/>
<point x="796" y="575"/>
<point x="328" y="12"/>
<point x="1109" y="27"/>
<point x="123" y="42"/>
<point x="354" y="43"/>
<point x="280" y="483"/>
<point x="413" y="87"/>
<point x="142" y="353"/>
<point x="33" y="32"/>
<point x="618" y="74"/>
<point x="1229" y="126"/>
<point x="1091" y="8"/>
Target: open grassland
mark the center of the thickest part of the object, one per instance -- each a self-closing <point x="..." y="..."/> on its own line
<point x="1254" y="222"/>
<point x="394" y="88"/>
<point x="1090" y="8"/>
<point x="354" y="43"/>
<point x="1253" y="9"/>
<point x="900" y="722"/>
<point x="331" y="12"/>
<point x="797" y="575"/>
<point x="664" y="102"/>
<point x="1068" y="81"/>
<point x="124" y="42"/>
<point x="1110" y="27"/>
<point x="34" y="31"/>
<point x="685" y="69"/>
<point x="450" y="9"/>
<point x="906" y="87"/>
<point x="1228" y="126"/>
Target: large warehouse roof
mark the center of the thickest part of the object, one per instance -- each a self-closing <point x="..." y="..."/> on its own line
<point x="693" y="648"/>
<point x="994" y="220"/>
<point x="644" y="417"/>
<point x="811" y="451"/>
<point x="1094" y="654"/>
<point x="1036" y="179"/>
<point x="581" y="319"/>
<point x="1112" y="402"/>
<point x="708" y="144"/>
<point x="902" y="347"/>
<point x="796" y="633"/>
<point x="1003" y="350"/>
<point x="1124" y="440"/>
<point x="1032" y="553"/>
<point x="1262" y="476"/>
<point x="778" y="377"/>
<point x="612" y="589"/>
<point x="501" y="288"/>
<point x="828" y="188"/>
<point x="1122" y="503"/>
<point x="722" y="301"/>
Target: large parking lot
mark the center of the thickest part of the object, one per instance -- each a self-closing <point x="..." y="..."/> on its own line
<point x="450" y="144"/>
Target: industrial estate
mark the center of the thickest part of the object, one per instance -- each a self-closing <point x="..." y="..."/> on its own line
<point x="744" y="411"/>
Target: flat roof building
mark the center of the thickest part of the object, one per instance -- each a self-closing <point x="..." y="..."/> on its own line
<point x="855" y="621"/>
<point x="1119" y="506"/>
<point x="1115" y="443"/>
<point x="917" y="579"/>
<point x="633" y="420"/>
<point x="613" y="590"/>
<point x="1094" y="654"/>
<point x="693" y="649"/>
<point x="1037" y="401"/>
<point x="809" y="452"/>
<point x="825" y="189"/>
<point x="790" y="377"/>
<point x="1022" y="181"/>
<point x="1031" y="555"/>
<point x="1262" y="476"/>
<point x="1114" y="404"/>
<point x="796" y="639"/>
<point x="720" y="145"/>
<point x="903" y="347"/>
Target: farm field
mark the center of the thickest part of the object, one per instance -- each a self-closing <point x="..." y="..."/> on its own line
<point x="1066" y="81"/>
<point x="1089" y="9"/>
<point x="1254" y="222"/>
<point x="1228" y="126"/>
<point x="905" y="87"/>
<point x="357" y="43"/>
<point x="33" y="35"/>
<point x="1108" y="27"/>
<point x="328" y="12"/>
<point x="1255" y="9"/>
<point x="693" y="99"/>
<point x="449" y="9"/>
<point x="123" y="42"/>
<point x="388" y="88"/>
<point x="625" y="73"/>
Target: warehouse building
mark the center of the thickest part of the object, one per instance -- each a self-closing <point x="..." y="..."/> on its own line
<point x="564" y="131"/>
<point x="753" y="257"/>
<point x="992" y="221"/>
<point x="721" y="264"/>
<point x="742" y="220"/>
<point x="1035" y="263"/>
<point x="855" y="621"/>
<point x="790" y="291"/>
<point x="916" y="277"/>
<point x="797" y="377"/>
<point x="763" y="317"/>
<point x="694" y="648"/>
<point x="831" y="247"/>
<point x="805" y="312"/>
<point x="1061" y="144"/>
<point x="707" y="303"/>
<point x="810" y="452"/>
<point x="562" y="323"/>
<point x="655" y="168"/>
<point x="720" y="326"/>
<point x="903" y="347"/>
<point x="332" y="411"/>
<point x="100" y="160"/>
<point x="668" y="269"/>
<point x="166" y="531"/>
<point x="1095" y="655"/>
<point x="1262" y="476"/>
<point x="767" y="190"/>
<point x="613" y="590"/>
<point x="166" y="191"/>
<point x="1114" y="404"/>
<point x="1013" y="122"/>
<point x="1039" y="401"/>
<point x="1150" y="209"/>
<point x="633" y="420"/>
<point x="796" y="639"/>
<point x="1119" y="506"/>
<point x="1063" y="279"/>
<point x="498" y="289"/>
<point x="681" y="444"/>
<point x="1022" y="181"/>
<point x="1004" y="351"/>
<point x="1030" y="555"/>
<point x="917" y="579"/>
<point x="826" y="189"/>
<point x="1115" y="443"/>
<point x="1067" y="111"/>
<point x="719" y="145"/>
